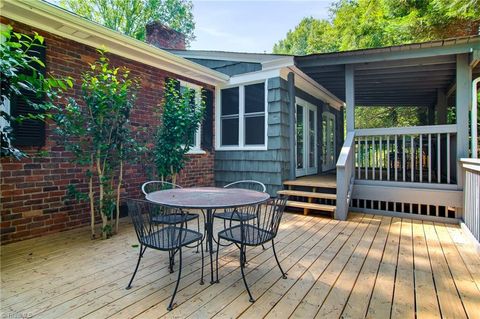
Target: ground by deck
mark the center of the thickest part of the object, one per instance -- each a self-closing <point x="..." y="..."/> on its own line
<point x="368" y="266"/>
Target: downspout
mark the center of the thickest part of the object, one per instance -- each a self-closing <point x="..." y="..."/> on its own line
<point x="291" y="107"/>
<point x="474" y="118"/>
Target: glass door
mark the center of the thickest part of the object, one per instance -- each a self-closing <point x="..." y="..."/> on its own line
<point x="306" y="138"/>
<point x="328" y="141"/>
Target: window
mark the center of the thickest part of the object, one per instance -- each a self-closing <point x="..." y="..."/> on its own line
<point x="195" y="140"/>
<point x="242" y="116"/>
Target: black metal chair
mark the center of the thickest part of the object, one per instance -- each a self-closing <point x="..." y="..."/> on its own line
<point x="153" y="186"/>
<point x="228" y="214"/>
<point x="166" y="236"/>
<point x="254" y="232"/>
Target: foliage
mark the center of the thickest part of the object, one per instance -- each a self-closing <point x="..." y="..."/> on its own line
<point x="19" y="74"/>
<point x="99" y="136"/>
<point x="376" y="117"/>
<point x="131" y="16"/>
<point x="182" y="114"/>
<point x="359" y="24"/>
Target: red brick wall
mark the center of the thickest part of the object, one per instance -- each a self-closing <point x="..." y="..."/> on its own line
<point x="32" y="193"/>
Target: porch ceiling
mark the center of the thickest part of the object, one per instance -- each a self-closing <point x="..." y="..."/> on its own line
<point x="407" y="75"/>
<point x="412" y="82"/>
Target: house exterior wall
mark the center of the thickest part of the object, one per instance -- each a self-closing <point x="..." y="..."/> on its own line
<point x="33" y="190"/>
<point x="270" y="166"/>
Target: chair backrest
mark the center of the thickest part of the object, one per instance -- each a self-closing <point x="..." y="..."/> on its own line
<point x="248" y="184"/>
<point x="268" y="219"/>
<point x="153" y="186"/>
<point x="149" y="232"/>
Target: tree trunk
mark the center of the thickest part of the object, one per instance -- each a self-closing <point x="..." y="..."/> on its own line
<point x="119" y="186"/>
<point x="92" y="205"/>
<point x="100" y="201"/>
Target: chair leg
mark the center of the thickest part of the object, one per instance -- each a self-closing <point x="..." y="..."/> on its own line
<point x="140" y="255"/>
<point x="171" y="256"/>
<point x="284" y="275"/>
<point x="242" y="266"/>
<point x="170" y="306"/>
<point x="198" y="229"/>
<point x="203" y="261"/>
<point x="216" y="260"/>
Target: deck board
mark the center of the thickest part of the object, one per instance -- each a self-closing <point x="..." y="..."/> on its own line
<point x="368" y="266"/>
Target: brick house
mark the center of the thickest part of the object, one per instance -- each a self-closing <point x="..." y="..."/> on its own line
<point x="33" y="190"/>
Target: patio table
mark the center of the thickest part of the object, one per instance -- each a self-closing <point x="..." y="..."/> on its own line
<point x="207" y="199"/>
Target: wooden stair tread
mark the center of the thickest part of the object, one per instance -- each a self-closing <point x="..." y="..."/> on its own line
<point x="323" y="207"/>
<point x="307" y="183"/>
<point x="307" y="194"/>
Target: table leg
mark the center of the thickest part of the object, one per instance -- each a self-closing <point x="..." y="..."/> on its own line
<point x="209" y="230"/>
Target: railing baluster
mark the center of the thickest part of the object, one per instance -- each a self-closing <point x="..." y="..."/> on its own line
<point x="359" y="150"/>
<point x="420" y="153"/>
<point x="381" y="158"/>
<point x="374" y="155"/>
<point x="412" y="159"/>
<point x="388" y="157"/>
<point x="396" y="154"/>
<point x="366" y="158"/>
<point x="429" y="158"/>
<point x="448" y="158"/>
<point x="404" y="164"/>
<point x="439" y="164"/>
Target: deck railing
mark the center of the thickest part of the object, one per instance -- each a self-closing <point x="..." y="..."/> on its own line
<point x="471" y="195"/>
<point x="345" y="177"/>
<point x="418" y="154"/>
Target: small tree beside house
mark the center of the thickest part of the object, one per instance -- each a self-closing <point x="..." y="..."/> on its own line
<point x="98" y="134"/>
<point x="183" y="111"/>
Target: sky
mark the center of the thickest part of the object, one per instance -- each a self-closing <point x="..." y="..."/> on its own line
<point x="249" y="26"/>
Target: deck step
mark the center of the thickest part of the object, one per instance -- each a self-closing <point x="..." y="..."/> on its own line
<point x="313" y="206"/>
<point x="289" y="192"/>
<point x="310" y="183"/>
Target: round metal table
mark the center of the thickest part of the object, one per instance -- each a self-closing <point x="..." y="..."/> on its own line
<point x="207" y="199"/>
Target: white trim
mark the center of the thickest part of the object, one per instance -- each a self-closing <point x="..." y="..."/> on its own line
<point x="306" y="169"/>
<point x="416" y="185"/>
<point x="230" y="56"/>
<point x="281" y="62"/>
<point x="251" y="77"/>
<point x="50" y="18"/>
<point x="437" y="219"/>
<point x="310" y="86"/>
<point x="241" y="119"/>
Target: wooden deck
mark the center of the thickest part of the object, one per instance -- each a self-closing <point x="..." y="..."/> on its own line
<point x="326" y="180"/>
<point x="369" y="266"/>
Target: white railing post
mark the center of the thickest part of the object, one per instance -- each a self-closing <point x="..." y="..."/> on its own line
<point x="345" y="177"/>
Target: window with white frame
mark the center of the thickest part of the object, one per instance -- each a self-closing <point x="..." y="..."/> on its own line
<point x="242" y="116"/>
<point x="195" y="139"/>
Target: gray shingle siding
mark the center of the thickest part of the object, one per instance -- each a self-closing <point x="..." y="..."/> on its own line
<point x="271" y="166"/>
<point x="229" y="67"/>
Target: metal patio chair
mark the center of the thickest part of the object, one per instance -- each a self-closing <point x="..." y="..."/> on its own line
<point x="153" y="186"/>
<point x="227" y="214"/>
<point x="171" y="237"/>
<point x="254" y="232"/>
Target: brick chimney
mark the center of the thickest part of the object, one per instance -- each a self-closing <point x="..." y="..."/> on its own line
<point x="164" y="37"/>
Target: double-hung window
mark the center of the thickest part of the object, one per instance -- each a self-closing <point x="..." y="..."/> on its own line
<point x="243" y="116"/>
<point x="195" y="139"/>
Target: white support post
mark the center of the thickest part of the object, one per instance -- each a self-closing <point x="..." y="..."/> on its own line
<point x="350" y="97"/>
<point x="462" y="99"/>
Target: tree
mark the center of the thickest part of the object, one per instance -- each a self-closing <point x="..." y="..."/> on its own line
<point x="359" y="24"/>
<point x="19" y="69"/>
<point x="131" y="16"/>
<point x="182" y="114"/>
<point x="98" y="134"/>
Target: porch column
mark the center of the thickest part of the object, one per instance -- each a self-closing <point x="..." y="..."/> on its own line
<point x="350" y="97"/>
<point x="441" y="107"/>
<point x="292" y="123"/>
<point x="462" y="98"/>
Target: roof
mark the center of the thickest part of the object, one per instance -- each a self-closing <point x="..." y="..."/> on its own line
<point x="53" y="19"/>
<point x="229" y="56"/>
<point x="403" y="75"/>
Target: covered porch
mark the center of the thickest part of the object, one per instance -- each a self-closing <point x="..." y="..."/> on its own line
<point x="368" y="266"/>
<point x="395" y="169"/>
